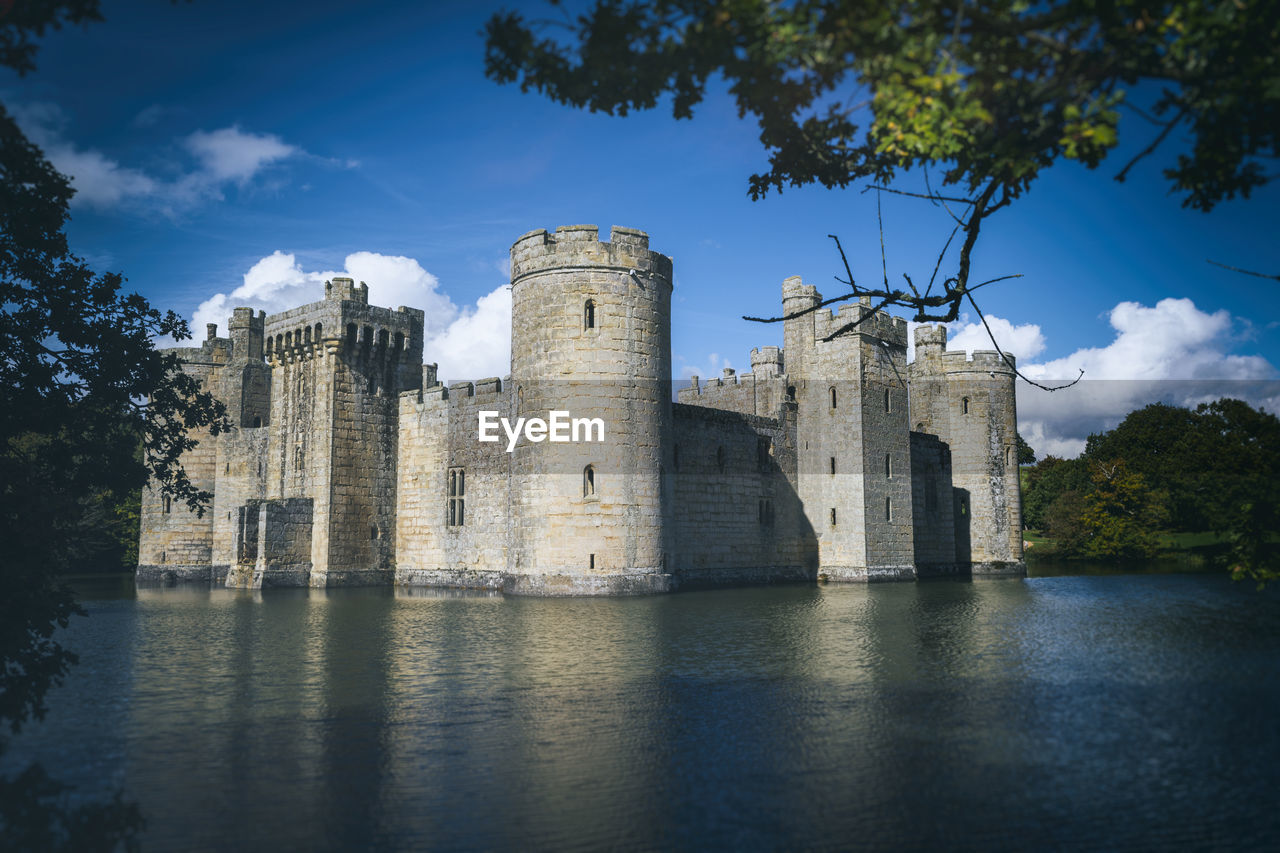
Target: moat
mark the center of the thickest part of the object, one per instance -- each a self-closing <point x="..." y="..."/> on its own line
<point x="1118" y="712"/>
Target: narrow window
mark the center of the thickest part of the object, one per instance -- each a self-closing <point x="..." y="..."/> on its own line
<point x="720" y="458"/>
<point x="373" y="531"/>
<point x="298" y="458"/>
<point x="589" y="315"/>
<point x="457" y="496"/>
<point x="888" y="406"/>
<point x="591" y="561"/>
<point x="164" y="504"/>
<point x="1008" y="457"/>
<point x="833" y="465"/>
<point x="164" y="555"/>
<point x="964" y="507"/>
<point x="351" y="334"/>
<point x="764" y="450"/>
<point x="964" y="406"/>
<point x="257" y="422"/>
<point x="833" y="516"/>
<point x="227" y="470"/>
<point x="888" y="509"/>
<point x="888" y="466"/>
<point x="589" y="481"/>
<point x="791" y="393"/>
<point x="259" y="467"/>
<point x="833" y="396"/>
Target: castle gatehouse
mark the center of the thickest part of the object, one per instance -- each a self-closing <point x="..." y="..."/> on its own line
<point x="348" y="463"/>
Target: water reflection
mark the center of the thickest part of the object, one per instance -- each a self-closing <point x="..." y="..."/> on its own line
<point x="1114" y="712"/>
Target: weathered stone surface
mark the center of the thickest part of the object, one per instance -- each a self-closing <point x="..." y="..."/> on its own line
<point x="349" y="464"/>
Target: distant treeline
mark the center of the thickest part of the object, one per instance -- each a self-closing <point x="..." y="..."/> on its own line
<point x="1164" y="468"/>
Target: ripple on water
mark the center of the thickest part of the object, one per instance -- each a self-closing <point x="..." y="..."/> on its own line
<point x="1119" y="712"/>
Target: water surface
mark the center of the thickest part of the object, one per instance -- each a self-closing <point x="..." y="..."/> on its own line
<point x="1124" y="712"/>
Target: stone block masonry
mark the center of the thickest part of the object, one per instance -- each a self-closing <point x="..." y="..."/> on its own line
<point x="349" y="463"/>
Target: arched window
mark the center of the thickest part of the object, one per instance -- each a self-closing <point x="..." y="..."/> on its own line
<point x="351" y="334"/>
<point x="791" y="393"/>
<point x="964" y="406"/>
<point x="589" y="481"/>
<point x="257" y="422"/>
<point x="164" y="504"/>
<point x="833" y="396"/>
<point x="589" y="314"/>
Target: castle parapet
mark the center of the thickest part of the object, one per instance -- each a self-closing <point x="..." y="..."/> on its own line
<point x="579" y="245"/>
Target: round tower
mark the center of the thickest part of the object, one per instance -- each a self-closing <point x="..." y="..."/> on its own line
<point x="590" y="340"/>
<point x="971" y="404"/>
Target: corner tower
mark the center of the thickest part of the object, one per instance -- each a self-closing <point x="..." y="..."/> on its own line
<point x="971" y="405"/>
<point x="591" y="336"/>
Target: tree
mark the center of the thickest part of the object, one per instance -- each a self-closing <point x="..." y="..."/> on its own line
<point x="1026" y="454"/>
<point x="1120" y="517"/>
<point x="1046" y="482"/>
<point x="987" y="93"/>
<point x="1165" y="445"/>
<point x="80" y="384"/>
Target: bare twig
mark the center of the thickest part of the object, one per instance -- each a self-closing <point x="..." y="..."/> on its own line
<point x="1155" y="143"/>
<point x="1246" y="272"/>
<point x="845" y="261"/>
<point x="1009" y="361"/>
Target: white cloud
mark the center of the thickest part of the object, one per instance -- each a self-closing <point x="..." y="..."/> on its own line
<point x="477" y="344"/>
<point x="468" y="343"/>
<point x="230" y="154"/>
<point x="226" y="155"/>
<point x="1023" y="341"/>
<point x="715" y="369"/>
<point x="1171" y="352"/>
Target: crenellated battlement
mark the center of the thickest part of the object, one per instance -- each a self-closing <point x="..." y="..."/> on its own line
<point x="572" y="246"/>
<point x="981" y="361"/>
<point x="490" y="391"/>
<point x="892" y="330"/>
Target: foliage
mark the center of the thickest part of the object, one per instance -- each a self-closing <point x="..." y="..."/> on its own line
<point x="1061" y="522"/>
<point x="1026" y="454"/>
<point x="80" y="384"/>
<point x="989" y="92"/>
<point x="1046" y="482"/>
<point x="1120" y="515"/>
<point x="1215" y="467"/>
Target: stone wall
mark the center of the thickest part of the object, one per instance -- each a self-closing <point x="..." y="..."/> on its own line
<point x="933" y="532"/>
<point x="438" y="438"/>
<point x="175" y="542"/>
<point x="735" y="514"/>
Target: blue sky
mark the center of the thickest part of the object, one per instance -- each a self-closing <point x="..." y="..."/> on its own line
<point x="282" y="142"/>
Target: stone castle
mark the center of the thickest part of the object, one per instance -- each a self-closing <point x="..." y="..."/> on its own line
<point x="834" y="459"/>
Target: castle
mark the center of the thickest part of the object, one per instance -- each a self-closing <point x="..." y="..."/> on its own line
<point x="834" y="459"/>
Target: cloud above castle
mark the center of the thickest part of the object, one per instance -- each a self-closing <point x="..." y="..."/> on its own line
<point x="468" y="342"/>
<point x="1171" y="352"/>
